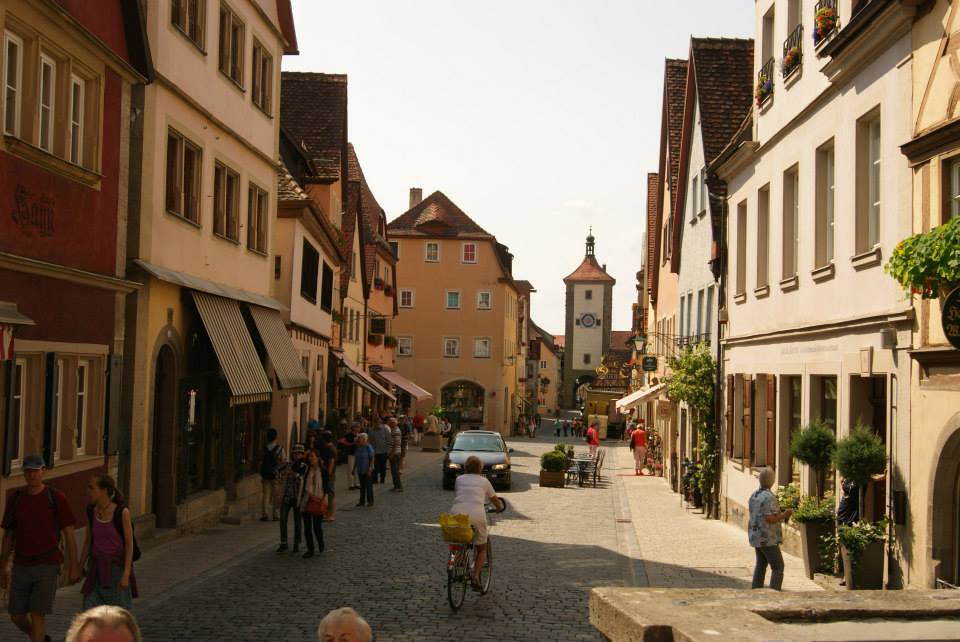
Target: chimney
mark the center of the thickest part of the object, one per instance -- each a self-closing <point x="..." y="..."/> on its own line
<point x="416" y="195"/>
<point x="604" y="267"/>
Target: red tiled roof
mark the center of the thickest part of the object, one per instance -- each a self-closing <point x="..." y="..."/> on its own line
<point x="674" y="88"/>
<point x="589" y="270"/>
<point x="313" y="109"/>
<point x="653" y="184"/>
<point x="560" y="340"/>
<point x="371" y="214"/>
<point x="619" y="338"/>
<point x="525" y="286"/>
<point x="723" y="69"/>
<point x="436" y="215"/>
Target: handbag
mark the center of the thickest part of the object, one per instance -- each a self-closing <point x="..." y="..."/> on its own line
<point x="317" y="507"/>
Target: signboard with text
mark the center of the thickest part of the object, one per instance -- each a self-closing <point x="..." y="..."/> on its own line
<point x="951" y="318"/>
<point x="649" y="364"/>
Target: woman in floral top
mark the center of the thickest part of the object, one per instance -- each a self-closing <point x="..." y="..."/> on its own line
<point x="764" y="532"/>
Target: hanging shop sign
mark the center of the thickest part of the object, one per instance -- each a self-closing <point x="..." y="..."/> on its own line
<point x="951" y="318"/>
<point x="649" y="364"/>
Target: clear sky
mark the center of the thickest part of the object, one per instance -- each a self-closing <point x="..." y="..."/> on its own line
<point x="538" y="118"/>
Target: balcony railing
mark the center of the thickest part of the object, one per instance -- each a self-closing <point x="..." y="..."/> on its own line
<point x="826" y="20"/>
<point x="792" y="51"/>
<point x="764" y="83"/>
<point x="692" y="340"/>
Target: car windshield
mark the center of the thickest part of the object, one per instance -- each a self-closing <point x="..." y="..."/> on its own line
<point x="478" y="443"/>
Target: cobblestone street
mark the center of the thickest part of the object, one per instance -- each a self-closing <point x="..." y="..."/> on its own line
<point x="551" y="547"/>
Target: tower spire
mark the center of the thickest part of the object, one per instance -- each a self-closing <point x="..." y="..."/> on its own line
<point x="590" y="242"/>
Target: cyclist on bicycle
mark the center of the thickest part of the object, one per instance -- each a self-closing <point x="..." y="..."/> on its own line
<point x="473" y="490"/>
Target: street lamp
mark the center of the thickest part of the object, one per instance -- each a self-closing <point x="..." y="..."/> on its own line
<point x="640" y="343"/>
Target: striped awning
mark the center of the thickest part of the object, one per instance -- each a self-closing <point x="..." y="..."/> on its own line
<point x="231" y="341"/>
<point x="397" y="379"/>
<point x="283" y="356"/>
<point x="361" y="378"/>
<point x="638" y="396"/>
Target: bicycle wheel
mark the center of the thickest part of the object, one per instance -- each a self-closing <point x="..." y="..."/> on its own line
<point x="457" y="580"/>
<point x="486" y="573"/>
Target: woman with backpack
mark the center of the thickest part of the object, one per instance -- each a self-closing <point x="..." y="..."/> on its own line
<point x="109" y="547"/>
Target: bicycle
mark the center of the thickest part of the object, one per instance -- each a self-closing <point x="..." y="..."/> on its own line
<point x="460" y="565"/>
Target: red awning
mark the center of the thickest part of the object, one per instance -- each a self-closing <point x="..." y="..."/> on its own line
<point x="395" y="378"/>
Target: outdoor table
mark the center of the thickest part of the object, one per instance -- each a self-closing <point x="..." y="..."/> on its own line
<point x="582" y="462"/>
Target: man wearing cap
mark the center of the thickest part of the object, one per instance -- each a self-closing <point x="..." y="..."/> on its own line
<point x="32" y="523"/>
<point x="291" y="474"/>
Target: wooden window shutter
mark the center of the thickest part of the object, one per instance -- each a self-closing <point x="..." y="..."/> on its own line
<point x="729" y="415"/>
<point x="771" y="420"/>
<point x="10" y="434"/>
<point x="747" y="420"/>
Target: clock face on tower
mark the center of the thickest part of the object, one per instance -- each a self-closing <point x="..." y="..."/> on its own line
<point x="588" y="320"/>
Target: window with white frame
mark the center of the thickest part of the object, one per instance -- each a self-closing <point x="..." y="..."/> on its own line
<point x="453" y="299"/>
<point x="58" y="404"/>
<point x="231" y="45"/>
<point x="18" y="410"/>
<point x="791" y="221"/>
<point x="432" y="252"/>
<point x="543" y="364"/>
<point x="226" y="202"/>
<point x="261" y="85"/>
<point x="406" y="298"/>
<point x="484" y="300"/>
<point x="83" y="393"/>
<point x="868" y="182"/>
<point x="46" y="107"/>
<point x="824" y="205"/>
<point x="451" y="347"/>
<point x="77" y="94"/>
<point x="763" y="236"/>
<point x="404" y="346"/>
<point x="12" y="83"/>
<point x="469" y="252"/>
<point x="481" y="347"/>
<point x="951" y="183"/>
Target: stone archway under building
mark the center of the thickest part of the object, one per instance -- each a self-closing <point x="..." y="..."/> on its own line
<point x="466" y="397"/>
<point x="945" y="513"/>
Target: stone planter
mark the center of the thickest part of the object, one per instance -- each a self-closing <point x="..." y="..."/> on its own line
<point x="552" y="478"/>
<point x="868" y="573"/>
<point x="432" y="442"/>
<point x="811" y="534"/>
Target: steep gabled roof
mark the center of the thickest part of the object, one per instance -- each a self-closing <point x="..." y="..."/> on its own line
<point x="720" y="83"/>
<point x="619" y="338"/>
<point x="674" y="90"/>
<point x="437" y="215"/>
<point x="313" y="109"/>
<point x="371" y="216"/>
<point x="653" y="235"/>
<point x="589" y="271"/>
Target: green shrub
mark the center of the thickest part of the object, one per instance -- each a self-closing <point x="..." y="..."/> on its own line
<point x="553" y="461"/>
<point x="814" y="446"/>
<point x="561" y="448"/>
<point x="810" y="510"/>
<point x="860" y="455"/>
<point x="856" y="537"/>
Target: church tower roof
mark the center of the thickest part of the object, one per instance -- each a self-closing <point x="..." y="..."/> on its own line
<point x="589" y="270"/>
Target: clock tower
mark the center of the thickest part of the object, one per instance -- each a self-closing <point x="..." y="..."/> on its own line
<point x="588" y="321"/>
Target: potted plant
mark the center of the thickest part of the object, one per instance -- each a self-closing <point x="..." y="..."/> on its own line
<point x="859" y="456"/>
<point x="764" y="89"/>
<point x="815" y="521"/>
<point x="336" y="317"/>
<point x="390" y="341"/>
<point x="928" y="264"/>
<point x="553" y="469"/>
<point x="791" y="60"/>
<point x="814" y="446"/>
<point x="432" y="440"/>
<point x="378" y="283"/>
<point x="374" y="339"/>
<point x="824" y="22"/>
<point x="388" y="290"/>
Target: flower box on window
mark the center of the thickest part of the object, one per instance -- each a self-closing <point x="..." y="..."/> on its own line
<point x="791" y="61"/>
<point x="388" y="290"/>
<point x="378" y="283"/>
<point x="824" y="23"/>
<point x="764" y="89"/>
<point x="390" y="341"/>
<point x="375" y="339"/>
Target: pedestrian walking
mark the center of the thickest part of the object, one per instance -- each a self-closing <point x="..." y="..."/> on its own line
<point x="328" y="459"/>
<point x="638" y="443"/>
<point x="103" y="624"/>
<point x="349" y="442"/>
<point x="344" y="625"/>
<point x="593" y="438"/>
<point x="566" y="427"/>
<point x="394" y="452"/>
<point x="363" y="463"/>
<point x="379" y="437"/>
<point x="292" y="476"/>
<point x="405" y="430"/>
<point x="311" y="499"/>
<point x="271" y="460"/>
<point x="764" y="532"/>
<point x="418" y="421"/>
<point x="108" y="548"/>
<point x="34" y="521"/>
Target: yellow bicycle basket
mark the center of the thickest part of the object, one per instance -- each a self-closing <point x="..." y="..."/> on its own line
<point x="456" y="528"/>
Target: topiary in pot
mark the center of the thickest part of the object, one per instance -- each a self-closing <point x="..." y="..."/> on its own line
<point x="553" y="461"/>
<point x="860" y="455"/>
<point x="814" y="446"/>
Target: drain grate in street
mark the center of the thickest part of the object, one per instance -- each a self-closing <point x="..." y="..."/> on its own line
<point x="621" y="520"/>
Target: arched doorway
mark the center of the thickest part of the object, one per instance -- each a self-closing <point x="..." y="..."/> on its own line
<point x="164" y="503"/>
<point x="946" y="510"/>
<point x="578" y="384"/>
<point x="467" y="398"/>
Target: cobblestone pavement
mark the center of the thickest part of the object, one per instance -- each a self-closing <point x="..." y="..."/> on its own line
<point x="388" y="562"/>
